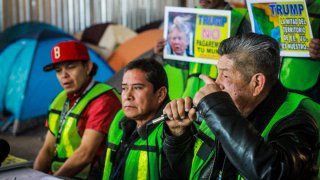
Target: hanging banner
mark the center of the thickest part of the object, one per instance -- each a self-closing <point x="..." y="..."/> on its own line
<point x="285" y="20"/>
<point x="194" y="35"/>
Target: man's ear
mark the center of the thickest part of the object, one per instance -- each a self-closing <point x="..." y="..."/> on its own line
<point x="89" y="67"/>
<point x="258" y="82"/>
<point x="161" y="94"/>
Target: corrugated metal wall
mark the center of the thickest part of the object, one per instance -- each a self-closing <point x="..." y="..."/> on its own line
<point x="75" y="15"/>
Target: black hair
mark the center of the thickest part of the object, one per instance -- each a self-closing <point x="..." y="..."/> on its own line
<point x="253" y="53"/>
<point x="154" y="72"/>
<point x="94" y="69"/>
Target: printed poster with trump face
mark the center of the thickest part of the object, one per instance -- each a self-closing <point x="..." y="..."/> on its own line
<point x="194" y="35"/>
<point x="286" y="21"/>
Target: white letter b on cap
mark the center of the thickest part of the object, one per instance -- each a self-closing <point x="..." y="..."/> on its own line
<point x="56" y="51"/>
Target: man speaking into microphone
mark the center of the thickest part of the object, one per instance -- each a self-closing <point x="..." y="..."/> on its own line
<point x="252" y="127"/>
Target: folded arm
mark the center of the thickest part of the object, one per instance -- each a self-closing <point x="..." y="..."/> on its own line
<point x="83" y="155"/>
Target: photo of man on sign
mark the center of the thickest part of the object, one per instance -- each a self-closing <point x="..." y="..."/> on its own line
<point x="180" y="35"/>
<point x="194" y="35"/>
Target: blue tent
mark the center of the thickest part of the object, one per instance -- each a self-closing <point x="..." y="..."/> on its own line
<point x="25" y="90"/>
<point x="23" y="28"/>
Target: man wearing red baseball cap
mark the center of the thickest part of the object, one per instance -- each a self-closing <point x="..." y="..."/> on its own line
<point x="79" y="117"/>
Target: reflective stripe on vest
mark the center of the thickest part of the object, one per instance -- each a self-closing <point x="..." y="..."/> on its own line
<point x="136" y="166"/>
<point x="114" y="137"/>
<point x="70" y="138"/>
<point x="203" y="149"/>
<point x="291" y="103"/>
<point x="303" y="73"/>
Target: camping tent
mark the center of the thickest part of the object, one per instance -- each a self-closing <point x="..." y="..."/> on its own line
<point x="138" y="47"/>
<point x="25" y="90"/>
<point x="23" y="28"/>
<point x="152" y="25"/>
<point x="116" y="80"/>
<point x="105" y="37"/>
<point x="134" y="48"/>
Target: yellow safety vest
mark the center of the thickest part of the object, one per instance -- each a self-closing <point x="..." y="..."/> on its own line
<point x="69" y="139"/>
<point x="140" y="153"/>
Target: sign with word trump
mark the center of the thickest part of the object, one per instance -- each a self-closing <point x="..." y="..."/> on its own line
<point x="285" y="20"/>
<point x="194" y="35"/>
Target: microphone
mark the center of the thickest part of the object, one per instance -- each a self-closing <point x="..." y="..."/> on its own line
<point x="4" y="150"/>
<point x="163" y="117"/>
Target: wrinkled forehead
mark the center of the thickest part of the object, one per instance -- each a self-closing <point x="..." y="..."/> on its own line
<point x="225" y="62"/>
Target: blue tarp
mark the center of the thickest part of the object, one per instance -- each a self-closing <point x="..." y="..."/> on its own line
<point x="25" y="90"/>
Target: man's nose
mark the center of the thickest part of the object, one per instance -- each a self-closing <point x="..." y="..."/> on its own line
<point x="218" y="81"/>
<point x="128" y="94"/>
<point x="64" y="73"/>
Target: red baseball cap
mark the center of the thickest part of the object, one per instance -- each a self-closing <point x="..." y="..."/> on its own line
<point x="67" y="51"/>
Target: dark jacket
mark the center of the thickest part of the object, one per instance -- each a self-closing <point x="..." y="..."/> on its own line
<point x="290" y="153"/>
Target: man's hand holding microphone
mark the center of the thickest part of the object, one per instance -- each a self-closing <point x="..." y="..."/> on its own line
<point x="182" y="112"/>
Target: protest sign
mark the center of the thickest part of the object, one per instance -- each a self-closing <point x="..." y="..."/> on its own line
<point x="194" y="35"/>
<point x="285" y="20"/>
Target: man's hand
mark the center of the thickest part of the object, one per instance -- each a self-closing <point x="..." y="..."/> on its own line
<point x="314" y="48"/>
<point x="158" y="49"/>
<point x="83" y="155"/>
<point x="46" y="153"/>
<point x="181" y="114"/>
<point x="210" y="87"/>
